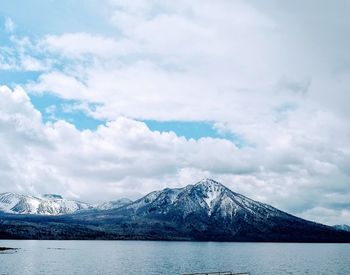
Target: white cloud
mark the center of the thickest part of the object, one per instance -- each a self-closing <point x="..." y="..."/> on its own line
<point x="65" y="86"/>
<point x="78" y="44"/>
<point x="9" y="25"/>
<point x="28" y="63"/>
<point x="231" y="55"/>
<point x="21" y="55"/>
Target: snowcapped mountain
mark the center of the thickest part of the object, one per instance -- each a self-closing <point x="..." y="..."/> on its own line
<point x="208" y="210"/>
<point x="207" y="197"/>
<point x="48" y="204"/>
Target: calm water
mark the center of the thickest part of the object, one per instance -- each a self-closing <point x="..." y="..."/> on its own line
<point x="138" y="257"/>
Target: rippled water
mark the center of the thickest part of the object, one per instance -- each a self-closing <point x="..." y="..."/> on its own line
<point x="141" y="257"/>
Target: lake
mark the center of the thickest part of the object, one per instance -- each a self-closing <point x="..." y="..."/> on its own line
<point x="149" y="257"/>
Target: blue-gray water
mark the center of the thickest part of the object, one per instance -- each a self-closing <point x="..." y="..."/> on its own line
<point x="139" y="257"/>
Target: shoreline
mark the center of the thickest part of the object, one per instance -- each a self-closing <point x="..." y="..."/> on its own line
<point x="7" y="248"/>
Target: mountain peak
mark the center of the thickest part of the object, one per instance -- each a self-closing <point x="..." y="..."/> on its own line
<point x="208" y="182"/>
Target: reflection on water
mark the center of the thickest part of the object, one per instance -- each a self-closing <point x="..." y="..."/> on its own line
<point x="141" y="257"/>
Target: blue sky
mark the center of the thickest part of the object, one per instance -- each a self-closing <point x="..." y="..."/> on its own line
<point x="53" y="108"/>
<point x="112" y="87"/>
<point x="187" y="129"/>
<point x="45" y="103"/>
<point x="38" y="18"/>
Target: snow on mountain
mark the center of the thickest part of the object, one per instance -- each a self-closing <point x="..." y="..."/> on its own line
<point x="48" y="204"/>
<point x="344" y="227"/>
<point x="206" y="197"/>
<point x="206" y="210"/>
<point x="113" y="204"/>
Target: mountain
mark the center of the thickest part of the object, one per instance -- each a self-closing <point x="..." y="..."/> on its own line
<point x="208" y="199"/>
<point x="344" y="227"/>
<point x="205" y="211"/>
<point x="48" y="204"/>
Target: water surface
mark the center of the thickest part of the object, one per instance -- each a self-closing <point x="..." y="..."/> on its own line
<point x="147" y="257"/>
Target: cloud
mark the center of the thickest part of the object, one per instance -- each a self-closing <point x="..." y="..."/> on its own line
<point x="172" y="54"/>
<point x="9" y="25"/>
<point x="59" y="83"/>
<point x="115" y="154"/>
<point x="19" y="54"/>
<point x="79" y="44"/>
<point x="327" y="216"/>
<point x="125" y="158"/>
<point x="275" y="78"/>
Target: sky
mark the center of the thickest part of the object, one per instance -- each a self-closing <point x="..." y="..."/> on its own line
<point x="106" y="99"/>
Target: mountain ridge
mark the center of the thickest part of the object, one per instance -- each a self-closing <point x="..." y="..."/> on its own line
<point x="344" y="227"/>
<point x="50" y="204"/>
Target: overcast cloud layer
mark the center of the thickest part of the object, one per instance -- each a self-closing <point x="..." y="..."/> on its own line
<point x="276" y="75"/>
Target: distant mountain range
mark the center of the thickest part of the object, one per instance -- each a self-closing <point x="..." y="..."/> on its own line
<point x="344" y="227"/>
<point x="50" y="204"/>
<point x="205" y="211"/>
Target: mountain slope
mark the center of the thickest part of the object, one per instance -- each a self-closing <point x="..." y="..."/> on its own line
<point x="344" y="227"/>
<point x="112" y="204"/>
